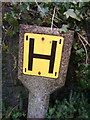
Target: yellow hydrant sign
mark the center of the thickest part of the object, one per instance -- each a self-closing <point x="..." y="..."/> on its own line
<point x="42" y="54"/>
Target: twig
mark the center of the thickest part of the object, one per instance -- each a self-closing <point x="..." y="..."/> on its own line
<point x="15" y="61"/>
<point x="84" y="39"/>
<point x="48" y="13"/>
<point x="57" y="18"/>
<point x="53" y="18"/>
<point x="58" y="11"/>
<point x="55" y="25"/>
<point x="12" y="110"/>
<point x="5" y="33"/>
<point x="84" y="48"/>
<point x="40" y="7"/>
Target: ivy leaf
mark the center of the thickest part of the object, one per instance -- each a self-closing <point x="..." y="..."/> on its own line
<point x="80" y="51"/>
<point x="11" y="20"/>
<point x="64" y="28"/>
<point x="71" y="13"/>
<point x="77" y="29"/>
<point x="10" y="33"/>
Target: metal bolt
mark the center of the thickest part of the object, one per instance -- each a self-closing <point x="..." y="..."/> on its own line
<point x="42" y="38"/>
<point x="39" y="73"/>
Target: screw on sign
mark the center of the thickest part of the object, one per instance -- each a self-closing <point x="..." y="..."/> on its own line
<point x="43" y="62"/>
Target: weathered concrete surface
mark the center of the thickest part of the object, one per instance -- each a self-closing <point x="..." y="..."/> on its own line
<point x="41" y="87"/>
<point x="38" y="105"/>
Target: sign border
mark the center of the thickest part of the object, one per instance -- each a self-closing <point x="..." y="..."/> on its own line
<point x="59" y="47"/>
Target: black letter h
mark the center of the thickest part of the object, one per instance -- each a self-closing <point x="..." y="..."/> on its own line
<point x="40" y="56"/>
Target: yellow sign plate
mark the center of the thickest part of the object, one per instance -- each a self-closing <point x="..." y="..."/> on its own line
<point x="42" y="54"/>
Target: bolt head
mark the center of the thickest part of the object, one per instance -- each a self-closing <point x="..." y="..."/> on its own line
<point x="39" y="73"/>
<point x="42" y="38"/>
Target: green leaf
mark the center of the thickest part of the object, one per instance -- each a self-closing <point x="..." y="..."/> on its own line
<point x="71" y="13"/>
<point x="64" y="28"/>
<point x="51" y="111"/>
<point x="11" y="20"/>
<point x="10" y="33"/>
<point x="80" y="51"/>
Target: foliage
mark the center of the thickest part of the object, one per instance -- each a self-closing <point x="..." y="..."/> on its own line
<point x="13" y="114"/>
<point x="75" y="107"/>
<point x="82" y="71"/>
<point x="68" y="16"/>
<point x="73" y="14"/>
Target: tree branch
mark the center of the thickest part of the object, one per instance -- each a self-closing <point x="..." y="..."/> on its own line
<point x="84" y="48"/>
<point x="53" y="18"/>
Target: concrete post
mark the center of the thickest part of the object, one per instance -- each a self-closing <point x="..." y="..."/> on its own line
<point x="41" y="87"/>
<point x="37" y="105"/>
